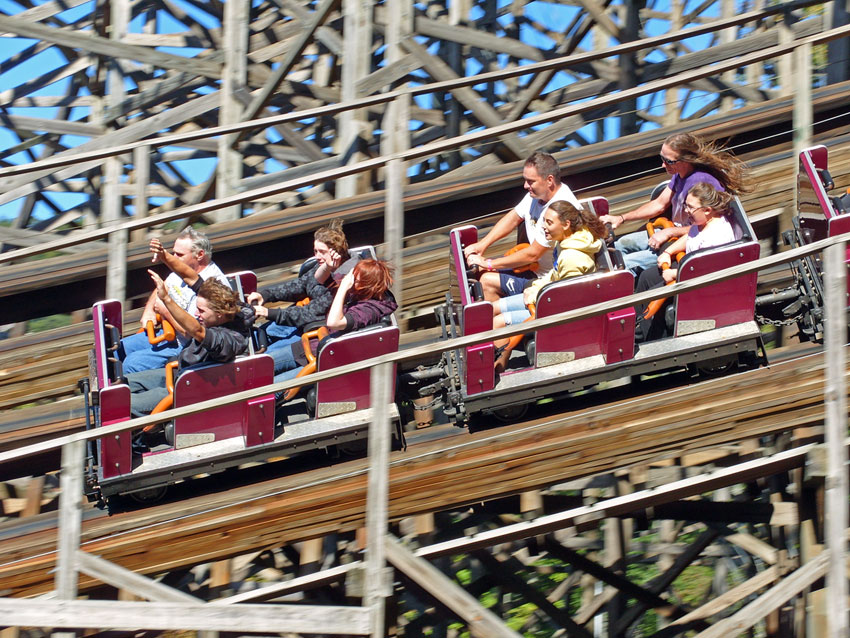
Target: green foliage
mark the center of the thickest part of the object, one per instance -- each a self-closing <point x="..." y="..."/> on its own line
<point x="49" y="323"/>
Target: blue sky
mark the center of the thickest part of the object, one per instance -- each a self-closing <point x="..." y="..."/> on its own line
<point x="555" y="16"/>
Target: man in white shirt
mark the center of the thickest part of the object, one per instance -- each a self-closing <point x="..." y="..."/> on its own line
<point x="191" y="264"/>
<point x="542" y="182"/>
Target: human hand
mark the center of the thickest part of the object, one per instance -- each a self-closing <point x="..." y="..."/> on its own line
<point x="161" y="292"/>
<point x="658" y="239"/>
<point x="255" y="299"/>
<point x="347" y="282"/>
<point x="614" y="220"/>
<point x="473" y="249"/>
<point x="157" y="249"/>
<point x="670" y="274"/>
<point x="476" y="260"/>
<point x="528" y="296"/>
<point x="336" y="259"/>
<point x="148" y="315"/>
<point x="664" y="258"/>
<point x="261" y="311"/>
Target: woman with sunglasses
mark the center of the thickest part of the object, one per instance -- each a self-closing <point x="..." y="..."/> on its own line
<point x="709" y="209"/>
<point x="688" y="161"/>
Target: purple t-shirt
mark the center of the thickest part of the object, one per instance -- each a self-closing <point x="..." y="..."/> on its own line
<point x="681" y="187"/>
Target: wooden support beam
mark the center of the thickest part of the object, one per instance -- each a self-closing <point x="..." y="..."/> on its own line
<point x="504" y="572"/>
<point x="481" y="621"/>
<point x="778" y="595"/>
<point x="626" y="587"/>
<point x="129" y="581"/>
<point x="293" y="54"/>
<point x="485" y="113"/>
<point x="378" y="582"/>
<point x="73" y="614"/>
<point x="234" y="77"/>
<point x="32" y="499"/>
<point x="103" y="46"/>
<point x="663" y="581"/>
<point x="70" y="519"/>
<point x="835" y="398"/>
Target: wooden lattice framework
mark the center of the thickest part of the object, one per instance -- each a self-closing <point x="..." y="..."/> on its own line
<point x="85" y="75"/>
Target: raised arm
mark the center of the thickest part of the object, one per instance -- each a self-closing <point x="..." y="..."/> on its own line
<point x="187" y="324"/>
<point x="181" y="269"/>
<point x="336" y="315"/>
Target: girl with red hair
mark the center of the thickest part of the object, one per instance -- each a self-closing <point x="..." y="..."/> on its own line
<point x="362" y="299"/>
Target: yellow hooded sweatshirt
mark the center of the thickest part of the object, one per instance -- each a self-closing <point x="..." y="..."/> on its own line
<point x="575" y="257"/>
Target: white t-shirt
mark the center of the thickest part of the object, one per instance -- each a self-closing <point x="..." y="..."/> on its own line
<point x="183" y="294"/>
<point x="717" y="233"/>
<point x="531" y="210"/>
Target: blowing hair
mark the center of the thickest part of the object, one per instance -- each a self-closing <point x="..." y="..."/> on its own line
<point x="713" y="159"/>
<point x="545" y="165"/>
<point x="710" y="197"/>
<point x="333" y="237"/>
<point x="199" y="242"/>
<point x="221" y="299"/>
<point x="372" y="279"/>
<point x="579" y="218"/>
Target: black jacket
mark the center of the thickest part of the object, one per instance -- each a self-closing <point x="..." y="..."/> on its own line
<point x="295" y="290"/>
<point x="221" y="344"/>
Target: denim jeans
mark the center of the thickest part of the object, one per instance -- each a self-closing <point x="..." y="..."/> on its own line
<point x="281" y="339"/>
<point x="636" y="251"/>
<point x="137" y="354"/>
<point x="147" y="388"/>
<point x="513" y="309"/>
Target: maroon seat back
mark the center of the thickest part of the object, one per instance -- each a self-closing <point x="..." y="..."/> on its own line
<point x="610" y="334"/>
<point x="253" y="419"/>
<point x="351" y="391"/>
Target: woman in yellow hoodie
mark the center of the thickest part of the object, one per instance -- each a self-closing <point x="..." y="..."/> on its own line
<point x="578" y="236"/>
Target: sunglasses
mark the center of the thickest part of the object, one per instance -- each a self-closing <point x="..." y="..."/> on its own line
<point x="668" y="161"/>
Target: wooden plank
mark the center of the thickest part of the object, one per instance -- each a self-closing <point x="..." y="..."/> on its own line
<point x="473" y="37"/>
<point x="129" y="581"/>
<point x="70" y="614"/>
<point x="466" y="96"/>
<point x="481" y="621"/>
<point x="70" y="519"/>
<point x="835" y="523"/>
<point x="789" y="587"/>
<point x="103" y="46"/>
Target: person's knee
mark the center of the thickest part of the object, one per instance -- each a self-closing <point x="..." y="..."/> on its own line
<point x="632" y="242"/>
<point x="491" y="286"/>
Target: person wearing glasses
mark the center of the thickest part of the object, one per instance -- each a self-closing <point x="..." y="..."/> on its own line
<point x="709" y="209"/>
<point x="688" y="161"/>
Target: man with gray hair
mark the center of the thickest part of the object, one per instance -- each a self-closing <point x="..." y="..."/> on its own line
<point x="191" y="264"/>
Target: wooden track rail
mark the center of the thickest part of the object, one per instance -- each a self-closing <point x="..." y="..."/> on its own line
<point x="486" y="465"/>
<point x="257" y="241"/>
<point x="26" y="361"/>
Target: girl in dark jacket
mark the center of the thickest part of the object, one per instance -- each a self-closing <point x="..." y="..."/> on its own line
<point x="362" y="299"/>
<point x="330" y="248"/>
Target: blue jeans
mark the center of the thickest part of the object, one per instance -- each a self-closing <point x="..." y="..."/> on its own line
<point x="513" y="309"/>
<point x="137" y="354"/>
<point x="636" y="251"/>
<point x="147" y="388"/>
<point x="281" y="339"/>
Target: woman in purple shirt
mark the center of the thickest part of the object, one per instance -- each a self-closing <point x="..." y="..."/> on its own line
<point x="362" y="299"/>
<point x="688" y="161"/>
